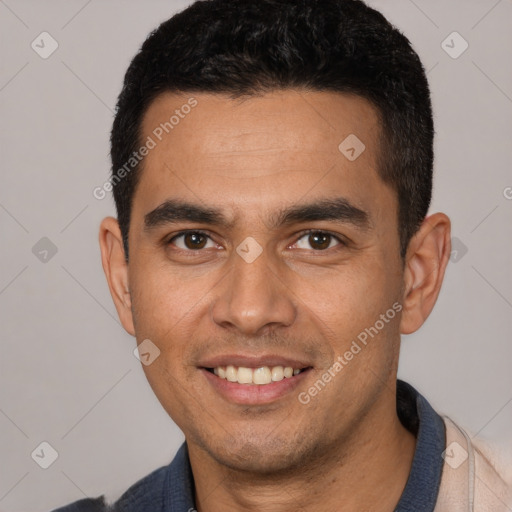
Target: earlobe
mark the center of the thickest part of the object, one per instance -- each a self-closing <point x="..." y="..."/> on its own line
<point x="426" y="261"/>
<point x="116" y="270"/>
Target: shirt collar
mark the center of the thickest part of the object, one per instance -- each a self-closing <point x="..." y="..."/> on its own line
<point x="417" y="415"/>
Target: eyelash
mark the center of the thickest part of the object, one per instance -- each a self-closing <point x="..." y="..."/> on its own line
<point x="341" y="242"/>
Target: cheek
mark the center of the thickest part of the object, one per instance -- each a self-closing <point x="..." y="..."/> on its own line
<point x="164" y="307"/>
<point x="348" y="308"/>
<point x="172" y="310"/>
<point x="172" y="388"/>
<point x="349" y="294"/>
<point x="163" y="298"/>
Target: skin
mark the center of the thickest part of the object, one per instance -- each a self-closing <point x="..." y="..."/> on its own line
<point x="250" y="159"/>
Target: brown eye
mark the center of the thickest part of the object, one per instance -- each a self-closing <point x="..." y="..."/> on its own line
<point x="319" y="240"/>
<point x="194" y="240"/>
<point x="191" y="240"/>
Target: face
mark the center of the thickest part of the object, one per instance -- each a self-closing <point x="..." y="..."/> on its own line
<point x="256" y="242"/>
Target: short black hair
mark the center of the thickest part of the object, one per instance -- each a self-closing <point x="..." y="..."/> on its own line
<point x="249" y="47"/>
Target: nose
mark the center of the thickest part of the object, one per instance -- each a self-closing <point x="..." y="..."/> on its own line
<point x="253" y="298"/>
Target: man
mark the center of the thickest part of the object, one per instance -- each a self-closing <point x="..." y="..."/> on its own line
<point x="272" y="172"/>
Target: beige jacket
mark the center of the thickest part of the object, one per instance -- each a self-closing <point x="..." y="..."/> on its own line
<point x="469" y="482"/>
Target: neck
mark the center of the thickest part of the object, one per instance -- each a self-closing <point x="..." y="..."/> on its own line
<point x="367" y="470"/>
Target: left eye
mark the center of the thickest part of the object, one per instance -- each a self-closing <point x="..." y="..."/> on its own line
<point x="317" y="240"/>
<point x="192" y="240"/>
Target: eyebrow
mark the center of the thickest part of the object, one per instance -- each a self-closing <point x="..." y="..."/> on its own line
<point x="338" y="209"/>
<point x="174" y="211"/>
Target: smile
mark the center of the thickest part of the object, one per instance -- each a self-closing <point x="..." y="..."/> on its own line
<point x="249" y="379"/>
<point x="261" y="376"/>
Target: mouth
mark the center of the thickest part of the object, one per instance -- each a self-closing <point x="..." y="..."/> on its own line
<point x="260" y="376"/>
<point x="254" y="381"/>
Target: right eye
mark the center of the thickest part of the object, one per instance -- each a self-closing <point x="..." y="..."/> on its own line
<point x="192" y="241"/>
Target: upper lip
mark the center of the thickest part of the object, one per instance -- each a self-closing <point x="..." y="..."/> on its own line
<point x="251" y="361"/>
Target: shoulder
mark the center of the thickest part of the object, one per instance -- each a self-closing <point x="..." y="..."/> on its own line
<point x="471" y="475"/>
<point x="85" y="505"/>
<point x="493" y="483"/>
<point x="144" y="495"/>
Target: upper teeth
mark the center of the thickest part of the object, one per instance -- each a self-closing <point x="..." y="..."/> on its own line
<point x="261" y="375"/>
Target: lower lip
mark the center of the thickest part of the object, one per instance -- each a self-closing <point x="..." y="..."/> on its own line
<point x="256" y="394"/>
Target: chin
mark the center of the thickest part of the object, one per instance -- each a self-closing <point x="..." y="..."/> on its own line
<point x="260" y="456"/>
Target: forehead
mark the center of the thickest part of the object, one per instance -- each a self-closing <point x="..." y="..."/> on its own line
<point x="283" y="146"/>
<point x="219" y="126"/>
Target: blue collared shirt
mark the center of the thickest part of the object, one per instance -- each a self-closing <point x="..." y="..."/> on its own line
<point x="171" y="488"/>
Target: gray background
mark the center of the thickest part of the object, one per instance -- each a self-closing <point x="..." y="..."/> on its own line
<point x="67" y="372"/>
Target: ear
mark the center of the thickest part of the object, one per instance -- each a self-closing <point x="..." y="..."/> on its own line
<point x="116" y="270"/>
<point x="427" y="257"/>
